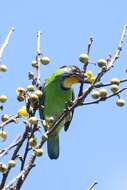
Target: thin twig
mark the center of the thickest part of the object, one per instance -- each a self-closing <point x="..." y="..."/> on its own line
<point x="5" y="44"/>
<point x="38" y="51"/>
<point x="109" y="84"/>
<point x="119" y="49"/>
<point x="103" y="99"/>
<point x="14" y="180"/>
<point x="89" y="45"/>
<point x="85" y="65"/>
<point x="38" y="42"/>
<point x="93" y="185"/>
<point x="10" y="120"/>
<point x="24" y="136"/>
<point x="12" y="145"/>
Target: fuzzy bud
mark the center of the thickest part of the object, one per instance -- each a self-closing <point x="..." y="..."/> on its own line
<point x="84" y="58"/>
<point x="3" y="98"/>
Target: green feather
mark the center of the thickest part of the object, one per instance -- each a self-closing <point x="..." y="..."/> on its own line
<point x="54" y="101"/>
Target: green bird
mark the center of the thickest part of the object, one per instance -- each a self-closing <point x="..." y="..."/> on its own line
<point x="57" y="92"/>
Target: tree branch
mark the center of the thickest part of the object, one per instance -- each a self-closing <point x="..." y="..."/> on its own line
<point x="5" y="44"/>
<point x="120" y="46"/>
<point x="93" y="185"/>
<point x="12" y="145"/>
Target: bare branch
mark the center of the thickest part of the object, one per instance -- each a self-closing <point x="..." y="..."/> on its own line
<point x="38" y="57"/>
<point x="104" y="99"/>
<point x="120" y="46"/>
<point x="5" y="44"/>
<point x="85" y="65"/>
<point x="89" y="45"/>
<point x="5" y="175"/>
<point x="12" y="145"/>
<point x="38" y="42"/>
<point x="93" y="185"/>
<point x="12" y="119"/>
<point x="109" y="84"/>
<point x="14" y="180"/>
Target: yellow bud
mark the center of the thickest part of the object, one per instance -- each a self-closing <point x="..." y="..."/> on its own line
<point x="3" y="98"/>
<point x="33" y="120"/>
<point x="38" y="152"/>
<point x="34" y="64"/>
<point x="88" y="74"/>
<point x="84" y="58"/>
<point x="102" y="63"/>
<point x="3" y="168"/>
<point x="114" y="88"/>
<point x="115" y="81"/>
<point x="38" y="93"/>
<point x="3" y="135"/>
<point x="95" y="94"/>
<point x="51" y="119"/>
<point x="33" y="98"/>
<point x="32" y="142"/>
<point x="30" y="88"/>
<point x="103" y="92"/>
<point x="45" y="60"/>
<point x="91" y="80"/>
<point x="3" y="68"/>
<point x="11" y="163"/>
<point x="20" y="98"/>
<point x="22" y="112"/>
<point x="120" y="102"/>
<point x="20" y="91"/>
<point x="30" y="76"/>
<point x="4" y="117"/>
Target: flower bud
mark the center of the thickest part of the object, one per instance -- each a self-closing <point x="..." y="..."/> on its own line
<point x="3" y="98"/>
<point x="3" y="68"/>
<point x="32" y="142"/>
<point x="45" y="60"/>
<point x="103" y="92"/>
<point x="114" y="88"/>
<point x="22" y="112"/>
<point x="30" y="76"/>
<point x="33" y="98"/>
<point x="30" y="88"/>
<point x="84" y="58"/>
<point x="120" y="102"/>
<point x="33" y="120"/>
<point x="11" y="163"/>
<point x="38" y="93"/>
<point x="102" y="63"/>
<point x="4" y="117"/>
<point x="3" y="135"/>
<point x="20" y="98"/>
<point x="38" y="152"/>
<point x="95" y="94"/>
<point x="115" y="81"/>
<point x="20" y="91"/>
<point x="34" y="64"/>
<point x="3" y="168"/>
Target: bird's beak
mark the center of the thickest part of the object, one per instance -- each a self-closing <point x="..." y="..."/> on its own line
<point x="72" y="79"/>
<point x="78" y="77"/>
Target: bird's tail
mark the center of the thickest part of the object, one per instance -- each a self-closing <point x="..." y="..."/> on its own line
<point x="53" y="146"/>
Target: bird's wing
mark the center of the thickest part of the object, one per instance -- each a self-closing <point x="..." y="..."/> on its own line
<point x="66" y="125"/>
<point x="41" y="101"/>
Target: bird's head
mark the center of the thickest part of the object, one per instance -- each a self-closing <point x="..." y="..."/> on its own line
<point x="71" y="75"/>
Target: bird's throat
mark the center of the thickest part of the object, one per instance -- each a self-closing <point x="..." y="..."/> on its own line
<point x="68" y="82"/>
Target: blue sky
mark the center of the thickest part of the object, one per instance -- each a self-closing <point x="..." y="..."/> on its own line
<point x="95" y="146"/>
